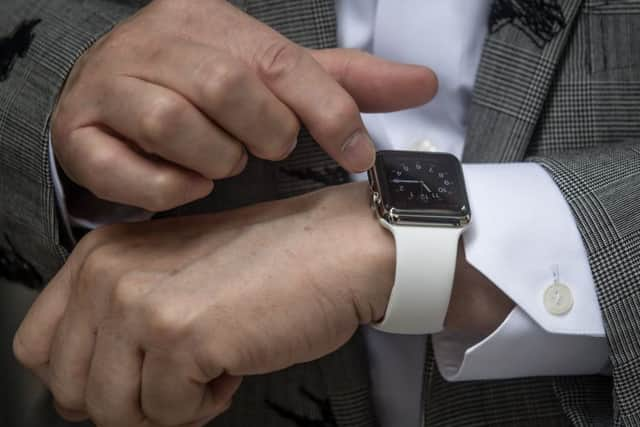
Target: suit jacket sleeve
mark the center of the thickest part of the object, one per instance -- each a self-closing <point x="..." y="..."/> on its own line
<point x="602" y="186"/>
<point x="39" y="44"/>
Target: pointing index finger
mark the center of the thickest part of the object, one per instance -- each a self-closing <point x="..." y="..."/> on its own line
<point x="329" y="112"/>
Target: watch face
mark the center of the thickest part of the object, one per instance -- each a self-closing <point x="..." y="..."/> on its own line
<point x="417" y="181"/>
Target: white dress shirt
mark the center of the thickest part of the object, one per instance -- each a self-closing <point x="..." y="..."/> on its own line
<point x="521" y="232"/>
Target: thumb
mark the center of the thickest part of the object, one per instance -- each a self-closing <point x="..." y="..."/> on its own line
<point x="378" y="85"/>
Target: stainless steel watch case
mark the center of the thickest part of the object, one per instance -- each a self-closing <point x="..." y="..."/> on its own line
<point x="416" y="217"/>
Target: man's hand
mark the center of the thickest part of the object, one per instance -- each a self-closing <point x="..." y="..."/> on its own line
<point x="155" y="323"/>
<point x="175" y="97"/>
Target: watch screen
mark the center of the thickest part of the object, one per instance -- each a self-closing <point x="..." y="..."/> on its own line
<point x="422" y="181"/>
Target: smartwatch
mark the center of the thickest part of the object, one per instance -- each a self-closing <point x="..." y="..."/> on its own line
<point x="420" y="197"/>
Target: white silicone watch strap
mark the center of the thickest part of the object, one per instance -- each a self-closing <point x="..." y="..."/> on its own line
<point x="425" y="268"/>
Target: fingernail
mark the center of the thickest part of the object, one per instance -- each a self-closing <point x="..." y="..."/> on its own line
<point x="293" y="147"/>
<point x="241" y="165"/>
<point x="359" y="153"/>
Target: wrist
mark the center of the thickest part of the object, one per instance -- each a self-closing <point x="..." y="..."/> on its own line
<point x="367" y="258"/>
<point x="477" y="307"/>
<point x="364" y="250"/>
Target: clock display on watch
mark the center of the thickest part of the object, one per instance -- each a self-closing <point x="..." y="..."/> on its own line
<point x="418" y="181"/>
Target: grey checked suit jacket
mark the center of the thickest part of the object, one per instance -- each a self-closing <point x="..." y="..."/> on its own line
<point x="563" y="92"/>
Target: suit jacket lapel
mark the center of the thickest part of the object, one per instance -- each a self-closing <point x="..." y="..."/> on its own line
<point x="514" y="77"/>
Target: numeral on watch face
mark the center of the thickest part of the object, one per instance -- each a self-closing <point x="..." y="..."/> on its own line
<point x="423" y="182"/>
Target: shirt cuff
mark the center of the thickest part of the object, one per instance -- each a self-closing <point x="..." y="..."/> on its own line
<point x="94" y="212"/>
<point x="524" y="239"/>
<point x="59" y="192"/>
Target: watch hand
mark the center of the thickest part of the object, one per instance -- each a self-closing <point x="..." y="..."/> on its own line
<point x="405" y="181"/>
<point x="412" y="181"/>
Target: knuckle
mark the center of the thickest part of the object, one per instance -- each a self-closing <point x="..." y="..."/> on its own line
<point x="95" y="238"/>
<point x="280" y="148"/>
<point x="338" y="119"/>
<point x="28" y="355"/>
<point x="278" y="59"/>
<point x="88" y="242"/>
<point x="165" y="325"/>
<point x="164" y="114"/>
<point x="102" y="160"/>
<point x="126" y="294"/>
<point x="65" y="397"/>
<point x="96" y="270"/>
<point x="166" y="191"/>
<point x="97" y="263"/>
<point x="226" y="161"/>
<point x="218" y="81"/>
<point x="124" y="40"/>
<point x="113" y="39"/>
